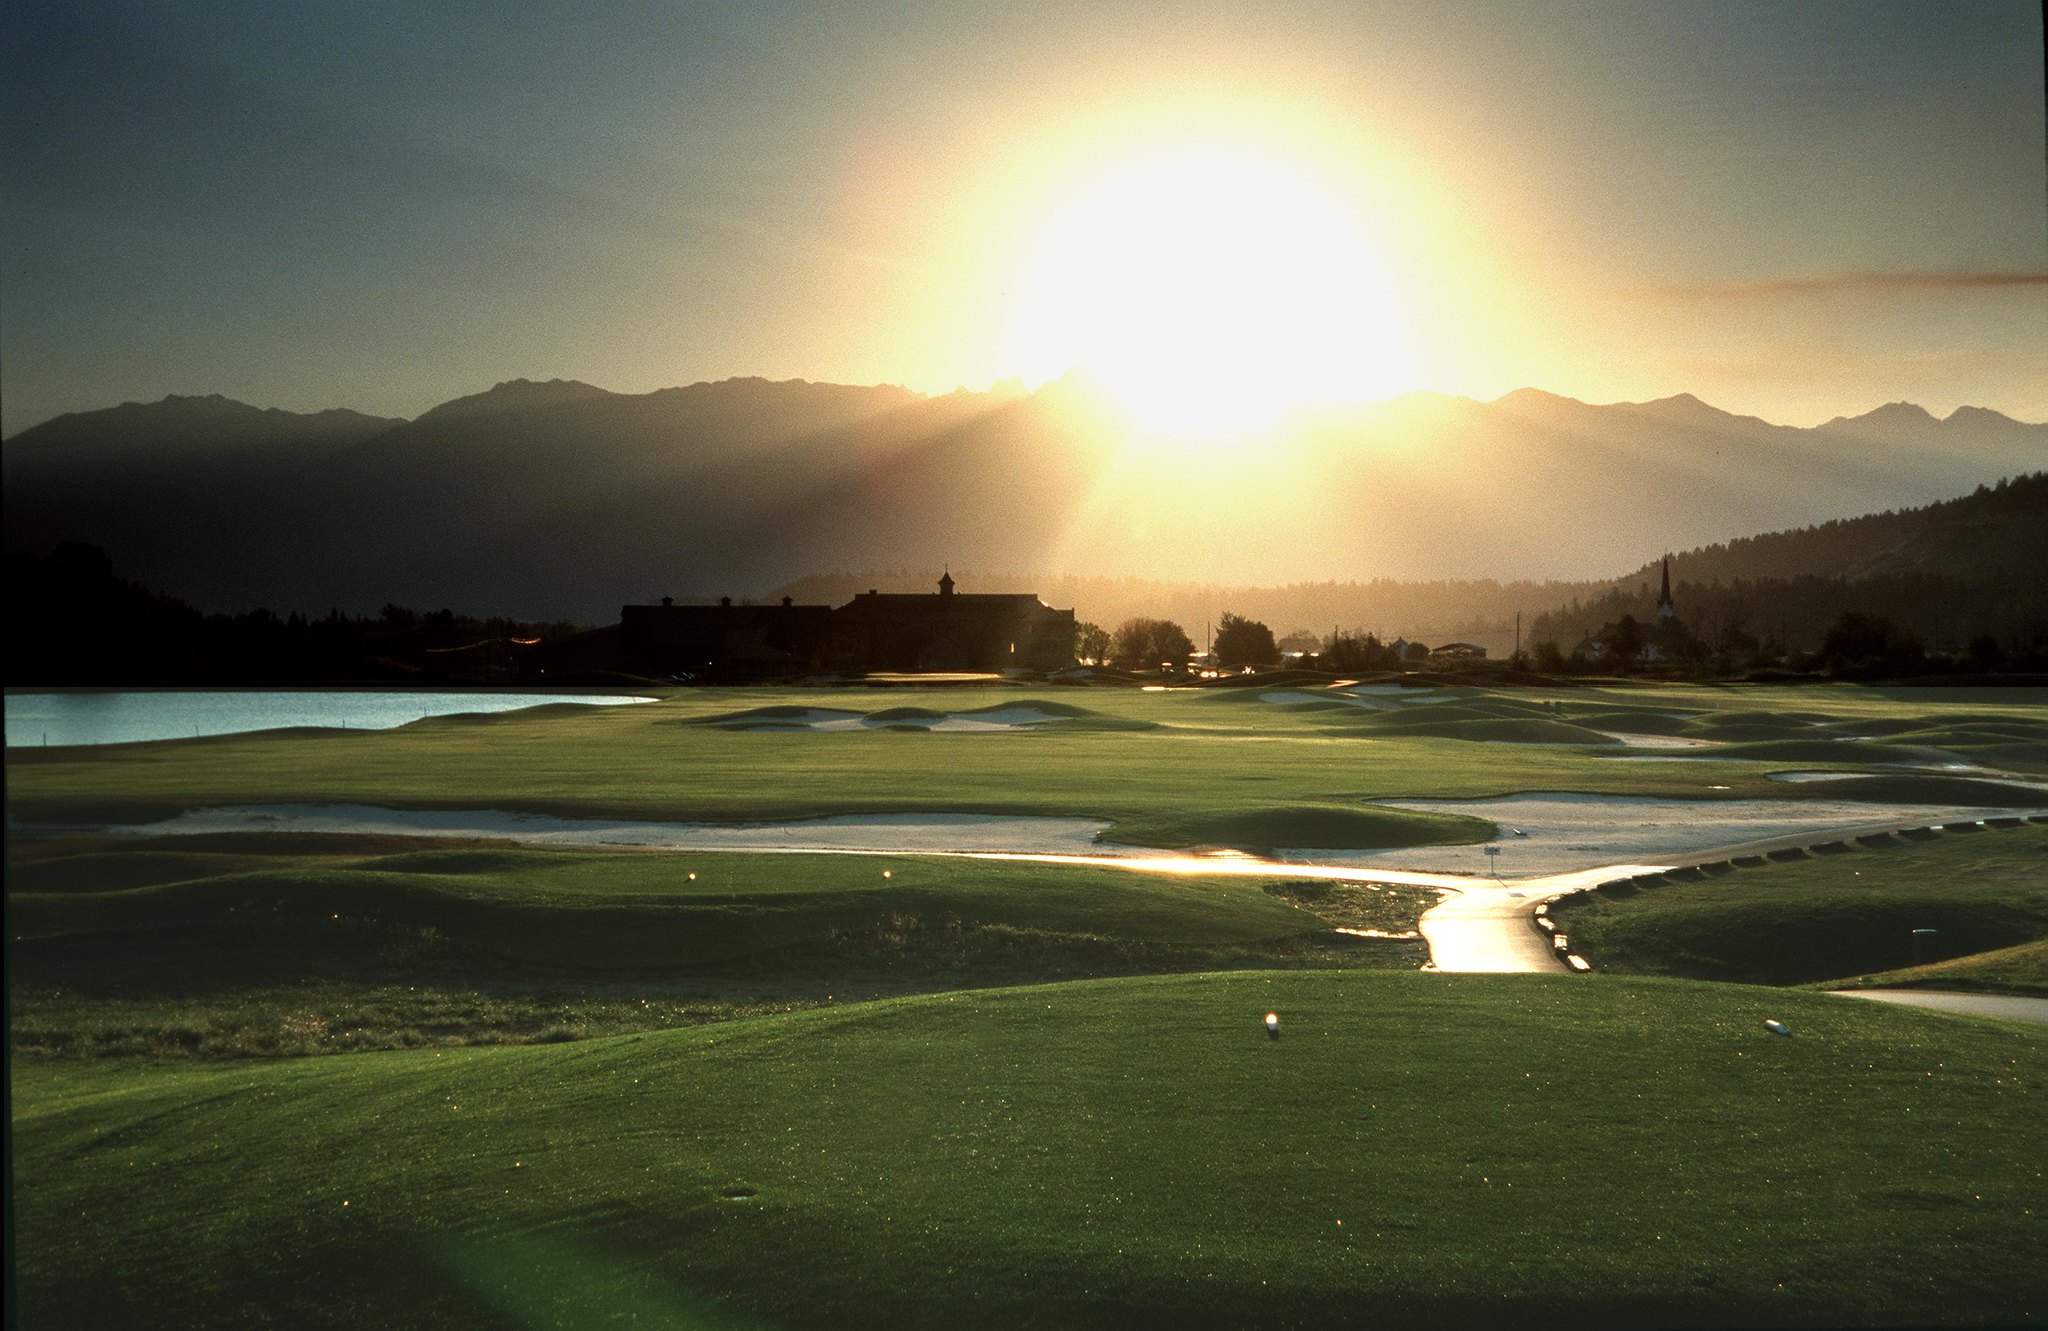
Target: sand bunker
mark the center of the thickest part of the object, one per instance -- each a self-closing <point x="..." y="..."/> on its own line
<point x="1022" y="716"/>
<point x="1636" y="741"/>
<point x="919" y="833"/>
<point x="1365" y="697"/>
<point x="1560" y="832"/>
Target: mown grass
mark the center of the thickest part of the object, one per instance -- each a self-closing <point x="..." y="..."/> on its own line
<point x="2019" y="969"/>
<point x="1839" y="916"/>
<point x="156" y="951"/>
<point x="787" y="1092"/>
<point x="1415" y="1150"/>
<point x="1204" y="767"/>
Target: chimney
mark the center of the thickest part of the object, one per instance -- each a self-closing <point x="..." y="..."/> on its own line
<point x="725" y="601"/>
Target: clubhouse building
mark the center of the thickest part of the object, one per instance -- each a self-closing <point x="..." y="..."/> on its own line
<point x="875" y="631"/>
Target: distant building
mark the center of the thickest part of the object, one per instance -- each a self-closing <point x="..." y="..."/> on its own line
<point x="874" y="631"/>
<point x="669" y="639"/>
<point x="951" y="631"/>
<point x="1458" y="651"/>
<point x="1666" y="611"/>
<point x="1664" y="639"/>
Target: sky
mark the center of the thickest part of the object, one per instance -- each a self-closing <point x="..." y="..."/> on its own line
<point x="1794" y="210"/>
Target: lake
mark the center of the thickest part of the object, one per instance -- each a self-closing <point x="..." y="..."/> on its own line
<point x="123" y="717"/>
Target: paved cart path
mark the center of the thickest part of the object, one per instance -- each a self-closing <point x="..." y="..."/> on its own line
<point x="2010" y="1007"/>
<point x="1482" y="925"/>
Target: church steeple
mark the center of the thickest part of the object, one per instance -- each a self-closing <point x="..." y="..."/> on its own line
<point x="946" y="583"/>
<point x="1666" y="610"/>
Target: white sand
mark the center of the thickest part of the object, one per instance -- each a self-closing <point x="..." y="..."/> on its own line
<point x="1560" y="833"/>
<point x="1659" y="741"/>
<point x="914" y="833"/>
<point x="1371" y="697"/>
<point x="1565" y="832"/>
<point x="822" y="719"/>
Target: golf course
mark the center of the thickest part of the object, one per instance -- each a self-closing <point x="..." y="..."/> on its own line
<point x="937" y="1005"/>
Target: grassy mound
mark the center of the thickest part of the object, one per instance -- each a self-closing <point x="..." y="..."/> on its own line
<point x="2019" y="969"/>
<point x="777" y="714"/>
<point x="1929" y="788"/>
<point x="1745" y="733"/>
<point x="1826" y="918"/>
<point x="1807" y="751"/>
<point x="638" y="911"/>
<point x="122" y="870"/>
<point x="1878" y="727"/>
<point x="1629" y="722"/>
<point x="1325" y="827"/>
<point x="1787" y="720"/>
<point x="486" y="946"/>
<point x="1415" y="1150"/>
<point x="1437" y="723"/>
<point x="2016" y="757"/>
<point x="1064" y="710"/>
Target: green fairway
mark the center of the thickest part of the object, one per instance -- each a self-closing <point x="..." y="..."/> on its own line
<point x="700" y="1089"/>
<point x="1413" y="1150"/>
<point x="275" y="947"/>
<point x="1841" y="916"/>
<point x="1221" y="767"/>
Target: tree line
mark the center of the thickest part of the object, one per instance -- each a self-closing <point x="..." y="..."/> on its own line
<point x="77" y="623"/>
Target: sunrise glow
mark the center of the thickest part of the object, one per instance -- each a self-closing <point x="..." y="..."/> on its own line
<point x="1212" y="289"/>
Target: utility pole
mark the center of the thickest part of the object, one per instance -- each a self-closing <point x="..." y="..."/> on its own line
<point x="1518" y="635"/>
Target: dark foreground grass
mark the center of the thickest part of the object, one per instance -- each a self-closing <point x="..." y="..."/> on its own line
<point x="1837" y="916"/>
<point x="1414" y="1150"/>
<point x="257" y="945"/>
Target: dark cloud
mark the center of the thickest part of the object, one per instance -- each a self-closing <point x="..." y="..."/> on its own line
<point x="1854" y="284"/>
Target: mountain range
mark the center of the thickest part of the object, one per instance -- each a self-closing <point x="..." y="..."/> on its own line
<point x="563" y="500"/>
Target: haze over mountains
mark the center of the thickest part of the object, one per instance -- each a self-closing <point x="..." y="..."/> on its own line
<point x="561" y="500"/>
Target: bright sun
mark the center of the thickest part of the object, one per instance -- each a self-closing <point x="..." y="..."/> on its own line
<point x="1212" y="290"/>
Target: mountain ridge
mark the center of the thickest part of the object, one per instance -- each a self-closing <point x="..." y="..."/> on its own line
<point x="561" y="500"/>
<point x="562" y="390"/>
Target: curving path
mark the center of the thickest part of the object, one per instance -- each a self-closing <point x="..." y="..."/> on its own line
<point x="1480" y="926"/>
<point x="1490" y="927"/>
<point x="2007" y="1007"/>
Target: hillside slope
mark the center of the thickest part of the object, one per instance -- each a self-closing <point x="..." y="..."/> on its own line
<point x="562" y="500"/>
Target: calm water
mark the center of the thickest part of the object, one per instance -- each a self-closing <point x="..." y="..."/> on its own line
<point x="124" y="718"/>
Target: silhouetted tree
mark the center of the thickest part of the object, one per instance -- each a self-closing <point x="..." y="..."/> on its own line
<point x="1353" y="655"/>
<point x="1984" y="653"/>
<point x="1150" y="644"/>
<point x="1243" y="642"/>
<point x="1627" y="640"/>
<point x="1862" y="644"/>
<point x="1091" y="642"/>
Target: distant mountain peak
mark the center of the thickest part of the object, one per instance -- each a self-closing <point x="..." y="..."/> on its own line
<point x="207" y="401"/>
<point x="1967" y="415"/>
<point x="1527" y="399"/>
<point x="1892" y="415"/>
<point x="1681" y="406"/>
<point x="516" y="395"/>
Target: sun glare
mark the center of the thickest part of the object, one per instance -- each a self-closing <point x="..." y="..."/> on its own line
<point x="1212" y="290"/>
